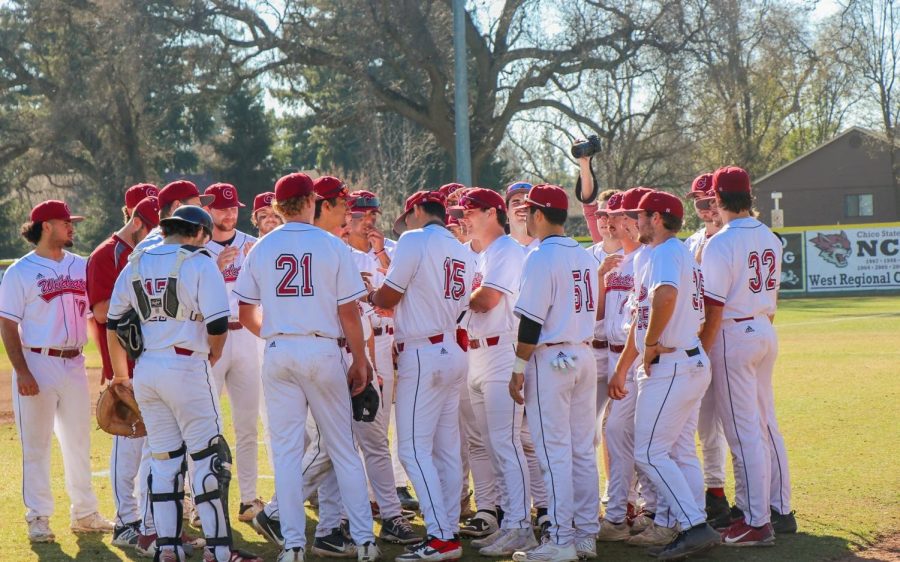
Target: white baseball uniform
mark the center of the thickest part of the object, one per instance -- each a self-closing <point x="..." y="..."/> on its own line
<point x="300" y="274"/>
<point x="434" y="273"/>
<point x="153" y="238"/>
<point x="48" y="300"/>
<point x="558" y="291"/>
<point x="173" y="386"/>
<point x="709" y="425"/>
<point x="601" y="355"/>
<point x="238" y="370"/>
<point x="669" y="396"/>
<point x="498" y="419"/>
<point x="742" y="272"/>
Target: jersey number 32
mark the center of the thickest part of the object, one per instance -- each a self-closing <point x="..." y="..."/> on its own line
<point x="762" y="265"/>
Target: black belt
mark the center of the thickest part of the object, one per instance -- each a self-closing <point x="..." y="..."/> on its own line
<point x="599" y="344"/>
<point x="690" y="353"/>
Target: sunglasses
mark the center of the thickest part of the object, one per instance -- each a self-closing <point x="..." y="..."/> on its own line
<point x="366" y="203"/>
<point x="632" y="214"/>
<point x="704" y="204"/>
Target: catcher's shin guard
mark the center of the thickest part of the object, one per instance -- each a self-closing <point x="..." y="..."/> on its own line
<point x="165" y="485"/>
<point x="210" y="480"/>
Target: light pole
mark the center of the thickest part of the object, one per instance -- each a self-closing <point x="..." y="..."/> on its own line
<point x="461" y="101"/>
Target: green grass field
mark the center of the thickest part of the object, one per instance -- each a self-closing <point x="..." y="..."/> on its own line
<point x="837" y="392"/>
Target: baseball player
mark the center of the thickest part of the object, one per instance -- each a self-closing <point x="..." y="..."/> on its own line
<point x="515" y="195"/>
<point x="134" y="195"/>
<point x="742" y="273"/>
<point x="428" y="285"/>
<point x="672" y="373"/>
<point x="491" y="327"/>
<point x="709" y="425"/>
<point x="182" y="304"/>
<point x="307" y="285"/>
<point x="172" y="196"/>
<point x="554" y="364"/>
<point x="126" y="460"/>
<point x="264" y="217"/>
<point x="238" y="369"/>
<point x="43" y="322"/>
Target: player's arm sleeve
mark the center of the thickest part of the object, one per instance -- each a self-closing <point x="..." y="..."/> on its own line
<point x="404" y="263"/>
<point x="246" y="287"/>
<point x="503" y="272"/>
<point x="120" y="299"/>
<point x="12" y="296"/>
<point x="350" y="286"/>
<point x="535" y="294"/>
<point x="212" y="296"/>
<point x="717" y="275"/>
<point x="529" y="331"/>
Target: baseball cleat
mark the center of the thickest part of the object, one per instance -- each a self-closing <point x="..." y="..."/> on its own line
<point x="126" y="535"/>
<point x="490" y="539"/>
<point x="407" y="501"/>
<point x="654" y="535"/>
<point x="547" y="552"/>
<point x="146" y="546"/>
<point x="399" y="531"/>
<point x="718" y="512"/>
<point x="586" y="548"/>
<point x="93" y="523"/>
<point x="613" y="532"/>
<point x="39" y="530"/>
<point x="465" y="507"/>
<point x="433" y="549"/>
<point x="334" y="545"/>
<point x="291" y="555"/>
<point x="541" y="520"/>
<point x="695" y="540"/>
<point x="513" y="540"/>
<point x="783" y="524"/>
<point x="368" y="552"/>
<point x="741" y="534"/>
<point x="269" y="528"/>
<point x="483" y="524"/>
<point x="734" y="516"/>
<point x="248" y="511"/>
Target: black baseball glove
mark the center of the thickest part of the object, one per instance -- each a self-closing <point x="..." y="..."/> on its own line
<point x="128" y="330"/>
<point x="365" y="404"/>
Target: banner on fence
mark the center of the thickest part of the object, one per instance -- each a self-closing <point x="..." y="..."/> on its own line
<point x="862" y="259"/>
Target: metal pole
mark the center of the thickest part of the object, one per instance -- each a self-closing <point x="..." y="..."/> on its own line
<point x="463" y="151"/>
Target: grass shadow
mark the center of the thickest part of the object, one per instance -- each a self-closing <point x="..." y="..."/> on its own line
<point x="93" y="546"/>
<point x="49" y="552"/>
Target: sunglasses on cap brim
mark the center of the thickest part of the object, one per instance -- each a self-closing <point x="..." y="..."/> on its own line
<point x="704" y="204"/>
<point x="632" y="214"/>
<point x="367" y="203"/>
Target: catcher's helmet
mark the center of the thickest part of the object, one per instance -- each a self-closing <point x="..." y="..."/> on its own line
<point x="190" y="214"/>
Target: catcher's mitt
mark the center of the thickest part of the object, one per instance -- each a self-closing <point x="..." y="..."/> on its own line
<point x="118" y="412"/>
<point x="365" y="404"/>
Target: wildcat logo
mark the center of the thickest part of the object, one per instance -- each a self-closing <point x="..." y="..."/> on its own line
<point x="477" y="281"/>
<point x="56" y="286"/>
<point x="230" y="273"/>
<point x="833" y="248"/>
<point x="643" y="294"/>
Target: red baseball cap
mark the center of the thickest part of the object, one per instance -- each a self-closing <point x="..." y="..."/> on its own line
<point x="330" y="187"/>
<point x="293" y="185"/>
<point x="614" y="203"/>
<point x="180" y="190"/>
<point x="364" y="201"/>
<point x="53" y="209"/>
<point x="731" y="179"/>
<point x="546" y="196"/>
<point x="225" y="194"/>
<point x="632" y="197"/>
<point x="263" y="200"/>
<point x="661" y="202"/>
<point x="477" y="198"/>
<point x="701" y="185"/>
<point x="417" y="198"/>
<point x="449" y="188"/>
<point x="135" y="193"/>
<point x="148" y="210"/>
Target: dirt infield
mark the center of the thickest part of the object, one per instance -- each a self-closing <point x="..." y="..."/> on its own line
<point x="6" y="406"/>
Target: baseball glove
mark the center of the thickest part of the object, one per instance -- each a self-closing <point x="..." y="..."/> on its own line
<point x="129" y="333"/>
<point x="118" y="412"/>
<point x="365" y="404"/>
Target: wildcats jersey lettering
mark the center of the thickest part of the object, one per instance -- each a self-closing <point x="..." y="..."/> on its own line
<point x="56" y="286"/>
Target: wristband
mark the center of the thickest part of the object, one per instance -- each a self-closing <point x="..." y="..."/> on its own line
<point x="651" y="344"/>
<point x="519" y="366"/>
<point x="379" y="252"/>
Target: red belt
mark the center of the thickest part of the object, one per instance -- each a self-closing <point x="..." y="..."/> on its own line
<point x="183" y="351"/>
<point x="62" y="353"/>
<point x="235" y="325"/>
<point x="486" y="342"/>
<point x="380" y="331"/>
<point x="743" y="319"/>
<point x="439" y="338"/>
<point x="616" y="348"/>
<point x="599" y="344"/>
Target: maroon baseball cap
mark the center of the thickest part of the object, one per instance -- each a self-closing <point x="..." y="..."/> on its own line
<point x="293" y="185"/>
<point x="478" y="198"/>
<point x="53" y="209"/>
<point x="546" y="196"/>
<point x="330" y="187"/>
<point x="225" y="194"/>
<point x="614" y="203"/>
<point x="364" y="201"/>
<point x="263" y="200"/>
<point x="731" y="179"/>
<point x="417" y="198"/>
<point x="135" y="193"/>
<point x="148" y="211"/>
<point x="632" y="197"/>
<point x="180" y="190"/>
<point x="701" y="185"/>
<point x="449" y="188"/>
<point x="661" y="202"/>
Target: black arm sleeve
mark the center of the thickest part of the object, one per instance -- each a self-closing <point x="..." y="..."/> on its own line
<point x="218" y="326"/>
<point x="596" y="192"/>
<point x="112" y="325"/>
<point x="529" y="331"/>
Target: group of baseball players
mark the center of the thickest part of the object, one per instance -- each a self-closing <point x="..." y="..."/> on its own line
<point x="501" y="352"/>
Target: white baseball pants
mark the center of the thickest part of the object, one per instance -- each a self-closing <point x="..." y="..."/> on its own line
<point x="62" y="406"/>
<point x="665" y="421"/>
<point x="301" y="372"/>
<point x="535" y="476"/>
<point x="743" y="361"/>
<point x="429" y="380"/>
<point x="558" y="402"/>
<point x="712" y="441"/>
<point x="475" y="441"/>
<point x="127" y="487"/>
<point x="498" y="420"/>
<point x="384" y="367"/>
<point x="601" y="356"/>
